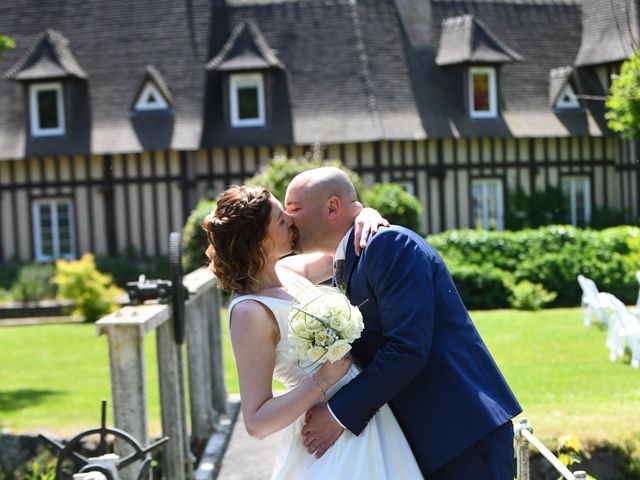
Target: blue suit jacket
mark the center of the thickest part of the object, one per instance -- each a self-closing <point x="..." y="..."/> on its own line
<point x="420" y="352"/>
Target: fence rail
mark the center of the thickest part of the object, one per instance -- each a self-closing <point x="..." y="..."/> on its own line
<point x="126" y="330"/>
<point x="523" y="433"/>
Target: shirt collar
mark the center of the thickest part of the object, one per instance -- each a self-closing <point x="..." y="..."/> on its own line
<point x="341" y="251"/>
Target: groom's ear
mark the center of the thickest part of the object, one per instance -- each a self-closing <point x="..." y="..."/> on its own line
<point x="333" y="206"/>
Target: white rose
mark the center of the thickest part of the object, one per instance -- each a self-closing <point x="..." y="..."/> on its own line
<point x="297" y="324"/>
<point x="324" y="337"/>
<point x="338" y="322"/>
<point x="338" y="350"/>
<point x="297" y="341"/>
<point x="315" y="353"/>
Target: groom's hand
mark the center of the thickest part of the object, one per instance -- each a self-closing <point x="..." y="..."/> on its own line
<point x="320" y="430"/>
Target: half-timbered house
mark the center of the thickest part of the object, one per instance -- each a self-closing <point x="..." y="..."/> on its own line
<point x="116" y="116"/>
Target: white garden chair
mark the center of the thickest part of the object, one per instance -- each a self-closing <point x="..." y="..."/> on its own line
<point x="623" y="331"/>
<point x="592" y="308"/>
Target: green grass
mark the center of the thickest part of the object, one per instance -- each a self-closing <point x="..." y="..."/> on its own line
<point x="52" y="378"/>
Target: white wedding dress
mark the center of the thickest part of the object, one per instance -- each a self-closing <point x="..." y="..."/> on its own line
<point x="380" y="452"/>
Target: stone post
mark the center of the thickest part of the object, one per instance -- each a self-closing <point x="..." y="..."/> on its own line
<point x="522" y="450"/>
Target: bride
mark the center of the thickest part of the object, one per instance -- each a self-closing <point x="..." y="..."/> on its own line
<point x="249" y="233"/>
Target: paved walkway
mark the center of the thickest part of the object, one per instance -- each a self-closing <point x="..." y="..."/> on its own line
<point x="247" y="458"/>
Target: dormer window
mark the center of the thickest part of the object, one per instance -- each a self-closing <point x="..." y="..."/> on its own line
<point x="567" y="99"/>
<point x="47" y="109"/>
<point x="247" y="100"/>
<point x="44" y="69"/>
<point x="483" y="102"/>
<point x="151" y="99"/>
<point x="244" y="62"/>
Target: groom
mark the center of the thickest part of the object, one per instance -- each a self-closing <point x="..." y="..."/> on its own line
<point x="419" y="351"/>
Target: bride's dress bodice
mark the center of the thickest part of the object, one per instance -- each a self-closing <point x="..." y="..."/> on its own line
<point x="287" y="369"/>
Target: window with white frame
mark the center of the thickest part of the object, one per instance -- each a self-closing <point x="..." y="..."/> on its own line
<point x="151" y="99"/>
<point x="578" y="190"/>
<point x="483" y="96"/>
<point x="567" y="99"/>
<point x="46" y="107"/>
<point x="247" y="100"/>
<point x="487" y="203"/>
<point x="53" y="229"/>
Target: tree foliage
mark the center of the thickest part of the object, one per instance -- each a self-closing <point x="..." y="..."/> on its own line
<point x="6" y="44"/>
<point x="623" y="104"/>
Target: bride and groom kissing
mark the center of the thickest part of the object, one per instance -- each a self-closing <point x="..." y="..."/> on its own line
<point x="423" y="397"/>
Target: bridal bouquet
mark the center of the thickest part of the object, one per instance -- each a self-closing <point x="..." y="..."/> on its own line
<point x="323" y="324"/>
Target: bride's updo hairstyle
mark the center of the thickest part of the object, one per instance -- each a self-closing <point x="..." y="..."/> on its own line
<point x="236" y="230"/>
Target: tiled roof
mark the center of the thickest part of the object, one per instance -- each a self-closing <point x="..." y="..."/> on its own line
<point x="113" y="41"/>
<point x="610" y="31"/>
<point x="467" y="39"/>
<point x="49" y="57"/>
<point x="345" y="70"/>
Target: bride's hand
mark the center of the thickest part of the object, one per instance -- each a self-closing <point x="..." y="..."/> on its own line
<point x="329" y="373"/>
<point x="366" y="224"/>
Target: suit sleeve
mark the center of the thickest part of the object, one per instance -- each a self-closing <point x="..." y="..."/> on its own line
<point x="400" y="274"/>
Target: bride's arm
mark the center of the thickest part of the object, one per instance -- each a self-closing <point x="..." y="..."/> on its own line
<point x="254" y="334"/>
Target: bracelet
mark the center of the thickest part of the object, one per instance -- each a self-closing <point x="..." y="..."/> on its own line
<point x="317" y="384"/>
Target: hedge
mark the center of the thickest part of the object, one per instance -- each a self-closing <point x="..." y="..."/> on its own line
<point x="551" y="256"/>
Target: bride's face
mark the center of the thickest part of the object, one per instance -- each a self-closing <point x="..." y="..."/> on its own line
<point x="279" y="231"/>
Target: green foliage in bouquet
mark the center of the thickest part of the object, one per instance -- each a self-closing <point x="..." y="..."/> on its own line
<point x="34" y="283"/>
<point x="194" y="238"/>
<point x="394" y="204"/>
<point x="92" y="292"/>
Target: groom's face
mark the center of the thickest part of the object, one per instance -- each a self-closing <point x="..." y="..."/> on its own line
<point x="306" y="209"/>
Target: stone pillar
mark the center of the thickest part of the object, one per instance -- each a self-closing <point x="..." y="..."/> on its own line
<point x="172" y="400"/>
<point x="219" y="391"/>
<point x="202" y="420"/>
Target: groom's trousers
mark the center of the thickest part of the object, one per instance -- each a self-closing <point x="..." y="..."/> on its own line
<point x="491" y="458"/>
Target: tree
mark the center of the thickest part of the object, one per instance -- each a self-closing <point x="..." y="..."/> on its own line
<point x="623" y="104"/>
<point x="5" y="44"/>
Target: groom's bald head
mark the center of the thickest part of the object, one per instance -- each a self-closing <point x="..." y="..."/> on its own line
<point x="325" y="182"/>
<point x="323" y="205"/>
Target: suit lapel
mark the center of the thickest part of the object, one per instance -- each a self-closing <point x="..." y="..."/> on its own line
<point x="350" y="260"/>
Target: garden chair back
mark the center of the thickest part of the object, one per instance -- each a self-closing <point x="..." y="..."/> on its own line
<point x="623" y="332"/>
<point x="592" y="309"/>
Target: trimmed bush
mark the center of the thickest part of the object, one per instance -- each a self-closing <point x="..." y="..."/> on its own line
<point x="480" y="286"/>
<point x="395" y="204"/>
<point x="92" y="292"/>
<point x="527" y="295"/>
<point x="550" y="256"/>
<point x="194" y="238"/>
<point x="34" y="283"/>
<point x="276" y="175"/>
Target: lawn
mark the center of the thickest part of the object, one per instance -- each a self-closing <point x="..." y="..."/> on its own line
<point x="53" y="377"/>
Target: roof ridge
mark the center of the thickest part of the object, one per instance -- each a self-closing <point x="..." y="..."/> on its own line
<point x="60" y="46"/>
<point x="154" y="74"/>
<point x="363" y="59"/>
